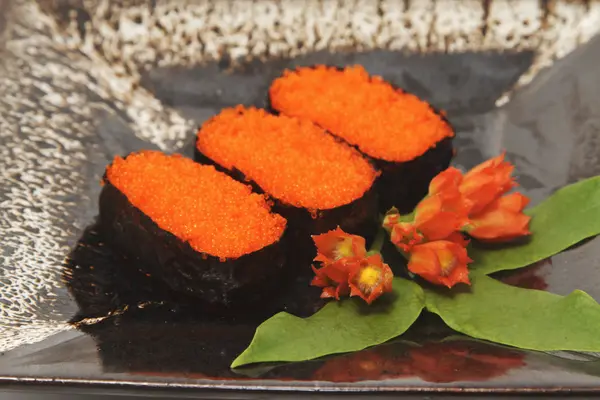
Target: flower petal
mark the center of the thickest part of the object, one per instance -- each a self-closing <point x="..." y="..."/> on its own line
<point x="424" y="262"/>
<point x="515" y="202"/>
<point x="445" y="181"/>
<point x="405" y="236"/>
<point x="329" y="293"/>
<point x="487" y="181"/>
<point x="460" y="274"/>
<point x="440" y="262"/>
<point x="439" y="215"/>
<point x="320" y="279"/>
<point x="502" y="220"/>
<point x="371" y="280"/>
<point x="442" y="225"/>
<point x="337" y="244"/>
<point x="333" y="277"/>
<point x="500" y="226"/>
<point x="427" y="209"/>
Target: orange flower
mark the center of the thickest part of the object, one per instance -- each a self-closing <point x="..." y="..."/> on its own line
<point x="347" y="269"/>
<point x="436" y="217"/>
<point x="441" y="262"/>
<point x="502" y="220"/>
<point x="486" y="182"/>
<point x="405" y="235"/>
<point x="366" y="277"/>
<point x="402" y="234"/>
<point x="370" y="279"/>
<point x="337" y="244"/>
<point x="446" y="181"/>
<point x="445" y="210"/>
<point x="334" y="277"/>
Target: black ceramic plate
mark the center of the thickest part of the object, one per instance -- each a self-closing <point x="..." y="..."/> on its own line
<point x="80" y="84"/>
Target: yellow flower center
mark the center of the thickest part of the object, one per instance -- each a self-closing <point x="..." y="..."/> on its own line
<point x="447" y="261"/>
<point x="344" y="249"/>
<point x="368" y="278"/>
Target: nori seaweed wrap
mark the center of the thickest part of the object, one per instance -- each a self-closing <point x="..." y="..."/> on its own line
<point x="317" y="182"/>
<point x="407" y="140"/>
<point x="195" y="228"/>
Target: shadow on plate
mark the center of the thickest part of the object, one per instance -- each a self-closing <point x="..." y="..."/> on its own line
<point x="143" y="328"/>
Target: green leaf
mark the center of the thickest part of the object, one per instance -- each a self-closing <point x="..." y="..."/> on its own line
<point x="525" y="318"/>
<point x="562" y="220"/>
<point x="339" y="327"/>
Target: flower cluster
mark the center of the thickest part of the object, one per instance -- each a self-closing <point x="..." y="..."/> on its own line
<point x="494" y="215"/>
<point x="475" y="203"/>
<point x="348" y="269"/>
<point x="433" y="238"/>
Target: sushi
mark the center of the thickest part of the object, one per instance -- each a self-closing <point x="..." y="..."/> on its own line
<point x="317" y="182"/>
<point x="201" y="232"/>
<point x="408" y="141"/>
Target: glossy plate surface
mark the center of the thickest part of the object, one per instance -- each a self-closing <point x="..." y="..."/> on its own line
<point x="69" y="102"/>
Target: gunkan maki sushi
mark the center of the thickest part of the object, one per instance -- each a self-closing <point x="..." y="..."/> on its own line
<point x="317" y="182"/>
<point x="197" y="229"/>
<point x="407" y="139"/>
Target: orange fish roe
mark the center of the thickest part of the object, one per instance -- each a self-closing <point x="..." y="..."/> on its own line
<point x="383" y="122"/>
<point x="214" y="213"/>
<point x="293" y="160"/>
